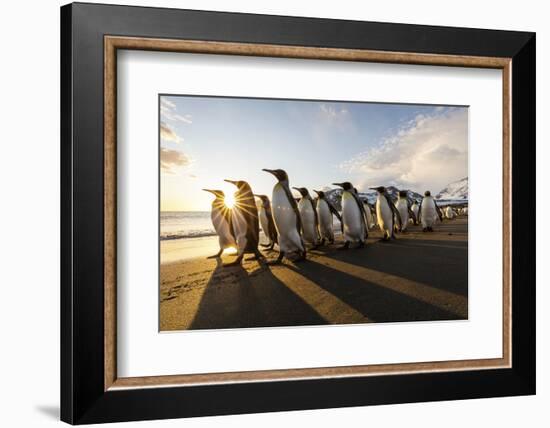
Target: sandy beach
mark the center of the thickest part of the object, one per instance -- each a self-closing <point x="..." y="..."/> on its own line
<point x="418" y="277"/>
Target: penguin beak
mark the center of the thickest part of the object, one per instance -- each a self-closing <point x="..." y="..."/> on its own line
<point x="295" y="188"/>
<point x="208" y="190"/>
<point x="316" y="191"/>
<point x="373" y="188"/>
<point x="268" y="170"/>
<point x="337" y="184"/>
<point x="230" y="181"/>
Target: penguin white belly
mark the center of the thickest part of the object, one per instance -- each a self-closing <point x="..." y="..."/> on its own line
<point x="325" y="220"/>
<point x="285" y="220"/>
<point x="384" y="214"/>
<point x="403" y="209"/>
<point x="352" y="218"/>
<point x="240" y="228"/>
<point x="414" y="209"/>
<point x="449" y="213"/>
<point x="308" y="221"/>
<point x="428" y="214"/>
<point x="221" y="226"/>
<point x="264" y="222"/>
<point x="369" y="217"/>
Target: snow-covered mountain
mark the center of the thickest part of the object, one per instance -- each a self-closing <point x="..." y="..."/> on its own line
<point x="455" y="190"/>
<point x="335" y="195"/>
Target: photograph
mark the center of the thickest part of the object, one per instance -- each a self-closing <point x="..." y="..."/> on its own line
<point x="289" y="212"/>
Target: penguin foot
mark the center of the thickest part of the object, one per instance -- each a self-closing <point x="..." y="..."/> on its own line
<point x="361" y="244"/>
<point x="345" y="246"/>
<point x="215" y="256"/>
<point x="278" y="261"/>
<point x="424" y="229"/>
<point x="301" y="258"/>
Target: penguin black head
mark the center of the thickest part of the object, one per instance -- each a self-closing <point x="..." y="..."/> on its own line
<point x="379" y="189"/>
<point x="346" y="185"/>
<point x="264" y="199"/>
<point x="403" y="193"/>
<point x="303" y="191"/>
<point x="280" y="174"/>
<point x="427" y="193"/>
<point x="241" y="185"/>
<point x="320" y="193"/>
<point x="218" y="193"/>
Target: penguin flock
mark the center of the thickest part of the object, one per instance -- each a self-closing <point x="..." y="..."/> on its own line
<point x="296" y="225"/>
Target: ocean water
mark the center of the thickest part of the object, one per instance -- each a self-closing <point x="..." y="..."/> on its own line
<point x="185" y="224"/>
<point x="195" y="224"/>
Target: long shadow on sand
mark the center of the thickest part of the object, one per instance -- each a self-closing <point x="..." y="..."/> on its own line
<point x="376" y="302"/>
<point x="235" y="298"/>
<point x="439" y="264"/>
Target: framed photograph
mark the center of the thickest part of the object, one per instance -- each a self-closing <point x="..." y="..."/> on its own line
<point x="266" y="213"/>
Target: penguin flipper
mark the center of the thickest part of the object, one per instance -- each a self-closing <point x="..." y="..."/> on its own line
<point x="335" y="212"/>
<point x="363" y="213"/>
<point x="395" y="211"/>
<point x="294" y="206"/>
<point x="316" y="216"/>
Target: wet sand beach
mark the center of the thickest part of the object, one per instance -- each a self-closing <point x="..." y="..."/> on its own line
<point x="418" y="277"/>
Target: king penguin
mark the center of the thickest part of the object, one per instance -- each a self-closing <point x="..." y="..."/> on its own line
<point x="310" y="219"/>
<point x="266" y="221"/>
<point x="365" y="214"/>
<point x="370" y="215"/>
<point x="287" y="217"/>
<point x="353" y="216"/>
<point x="221" y="219"/>
<point x="449" y="212"/>
<point x="415" y="210"/>
<point x="246" y="226"/>
<point x="428" y="212"/>
<point x="325" y="211"/>
<point x="387" y="214"/>
<point x="405" y="211"/>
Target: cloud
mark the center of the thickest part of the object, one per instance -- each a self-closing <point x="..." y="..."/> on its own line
<point x="168" y="111"/>
<point x="168" y="134"/>
<point x="429" y="152"/>
<point x="172" y="160"/>
<point x="333" y="112"/>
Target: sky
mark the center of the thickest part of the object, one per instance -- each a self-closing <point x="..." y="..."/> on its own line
<point x="204" y="140"/>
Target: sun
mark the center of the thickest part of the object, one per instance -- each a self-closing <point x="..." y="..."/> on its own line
<point x="229" y="200"/>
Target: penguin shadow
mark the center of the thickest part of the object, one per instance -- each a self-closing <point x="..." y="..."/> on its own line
<point x="250" y="296"/>
<point x="374" y="301"/>
<point x="439" y="264"/>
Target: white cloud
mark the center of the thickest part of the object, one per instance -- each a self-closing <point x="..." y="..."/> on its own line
<point x="172" y="160"/>
<point x="168" y="134"/>
<point x="427" y="153"/>
<point x="333" y="111"/>
<point x="169" y="112"/>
